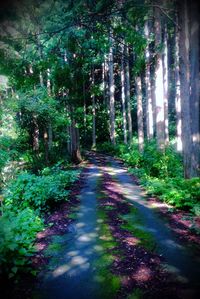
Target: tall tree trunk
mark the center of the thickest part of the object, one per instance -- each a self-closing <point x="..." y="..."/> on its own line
<point x="46" y="148"/>
<point x="41" y="79"/>
<point x="48" y="82"/>
<point x="159" y="90"/>
<point x="185" y="85"/>
<point x="127" y="93"/>
<point x="179" y="145"/>
<point x="111" y="92"/>
<point x="93" y="113"/>
<point x="195" y="96"/>
<point x="49" y="131"/>
<point x="165" y="85"/>
<point x="140" y="114"/>
<point x="84" y="107"/>
<point x="123" y="95"/>
<point x="149" y="107"/>
<point x="73" y="142"/>
<point x="50" y="137"/>
<point x="35" y="136"/>
<point x="104" y="83"/>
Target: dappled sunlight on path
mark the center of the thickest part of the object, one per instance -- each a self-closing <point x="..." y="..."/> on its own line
<point x="72" y="270"/>
<point x="70" y="273"/>
<point x="178" y="259"/>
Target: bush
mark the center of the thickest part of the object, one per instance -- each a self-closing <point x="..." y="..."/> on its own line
<point x="158" y="164"/>
<point x="162" y="175"/>
<point x="107" y="147"/>
<point x="17" y="235"/>
<point x="39" y="192"/>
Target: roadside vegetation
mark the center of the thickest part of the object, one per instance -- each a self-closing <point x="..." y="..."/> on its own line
<point x="160" y="173"/>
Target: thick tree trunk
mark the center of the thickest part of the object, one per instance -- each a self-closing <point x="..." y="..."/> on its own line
<point x="111" y="92"/>
<point x="93" y="114"/>
<point x="159" y="90"/>
<point x="185" y="85"/>
<point x="128" y="97"/>
<point x="165" y="86"/>
<point x="149" y="107"/>
<point x="179" y="145"/>
<point x="140" y="114"/>
<point x="123" y="95"/>
<point x="195" y="96"/>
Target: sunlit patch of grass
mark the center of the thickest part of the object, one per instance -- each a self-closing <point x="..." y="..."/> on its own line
<point x="134" y="225"/>
<point x="109" y="208"/>
<point x="72" y="215"/>
<point x="55" y="247"/>
<point x="109" y="282"/>
<point x="136" y="294"/>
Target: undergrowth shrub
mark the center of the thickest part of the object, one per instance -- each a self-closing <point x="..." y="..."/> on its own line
<point x="162" y="165"/>
<point x="161" y="174"/>
<point x="17" y="235"/>
<point x="39" y="192"/>
<point x="107" y="147"/>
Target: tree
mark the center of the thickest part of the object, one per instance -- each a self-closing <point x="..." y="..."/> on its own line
<point x="195" y="95"/>
<point x="111" y="91"/>
<point x="139" y="114"/>
<point x="179" y="145"/>
<point x="185" y="85"/>
<point x="127" y="94"/>
<point x="123" y="93"/>
<point x="159" y="89"/>
<point x="149" y="104"/>
<point x="165" y="84"/>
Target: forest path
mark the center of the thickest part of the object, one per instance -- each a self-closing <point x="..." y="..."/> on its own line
<point x="73" y="270"/>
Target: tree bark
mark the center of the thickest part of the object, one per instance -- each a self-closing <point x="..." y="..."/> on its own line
<point x="93" y="114"/>
<point x="73" y="145"/>
<point x="123" y="95"/>
<point x="35" y="136"/>
<point x="195" y="96"/>
<point x="185" y="85"/>
<point x="159" y="90"/>
<point x="165" y="85"/>
<point x="84" y="107"/>
<point x="140" y="114"/>
<point x="179" y="145"/>
<point x="127" y="93"/>
<point x="111" y="92"/>
<point x="149" y="107"/>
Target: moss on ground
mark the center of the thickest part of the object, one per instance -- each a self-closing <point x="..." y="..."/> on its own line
<point x="136" y="294"/>
<point x="134" y="225"/>
<point x="56" y="246"/>
<point x="110" y="283"/>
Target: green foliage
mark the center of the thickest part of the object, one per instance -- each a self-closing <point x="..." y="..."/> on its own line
<point x="161" y="174"/>
<point x="162" y="165"/>
<point x="8" y="153"/>
<point x="107" y="147"/>
<point x="17" y="235"/>
<point x="39" y="192"/>
<point x="176" y="191"/>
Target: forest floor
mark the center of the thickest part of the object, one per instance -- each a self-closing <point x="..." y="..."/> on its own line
<point x="111" y="241"/>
